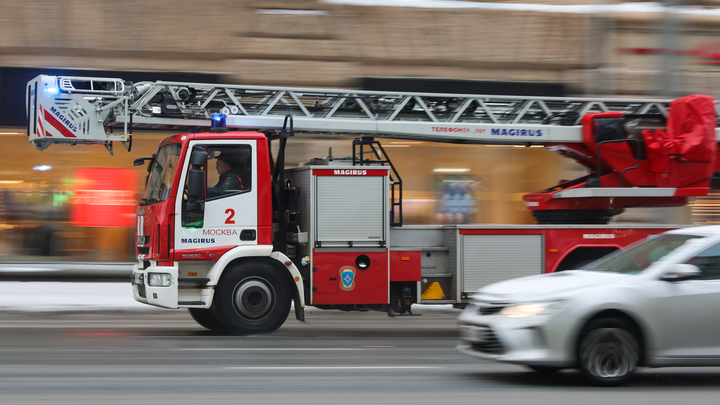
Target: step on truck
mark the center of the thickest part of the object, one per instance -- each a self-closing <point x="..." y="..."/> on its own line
<point x="225" y="230"/>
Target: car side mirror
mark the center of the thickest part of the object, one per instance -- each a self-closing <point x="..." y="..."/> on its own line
<point x="681" y="272"/>
<point x="196" y="184"/>
<point x="196" y="176"/>
<point x="141" y="161"/>
<point x="199" y="157"/>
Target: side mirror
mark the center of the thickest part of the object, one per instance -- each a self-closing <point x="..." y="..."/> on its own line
<point x="141" y="161"/>
<point x="196" y="184"/>
<point x="196" y="176"/>
<point x="199" y="157"/>
<point x="681" y="272"/>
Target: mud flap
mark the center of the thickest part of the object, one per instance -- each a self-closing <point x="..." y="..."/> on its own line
<point x="299" y="311"/>
<point x="166" y="297"/>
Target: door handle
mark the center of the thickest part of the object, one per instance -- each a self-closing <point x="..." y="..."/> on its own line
<point x="248" y="234"/>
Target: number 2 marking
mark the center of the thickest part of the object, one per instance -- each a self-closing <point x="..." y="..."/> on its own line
<point x="230" y="219"/>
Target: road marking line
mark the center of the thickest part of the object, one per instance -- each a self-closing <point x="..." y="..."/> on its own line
<point x="330" y="367"/>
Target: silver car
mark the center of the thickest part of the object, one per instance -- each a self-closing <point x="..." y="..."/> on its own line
<point x="655" y="304"/>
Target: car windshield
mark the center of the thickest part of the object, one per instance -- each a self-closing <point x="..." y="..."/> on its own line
<point x="162" y="172"/>
<point x="640" y="256"/>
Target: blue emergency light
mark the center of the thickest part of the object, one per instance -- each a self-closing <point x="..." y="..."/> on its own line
<point x="217" y="123"/>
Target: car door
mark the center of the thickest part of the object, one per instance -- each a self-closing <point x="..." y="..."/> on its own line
<point x="691" y="325"/>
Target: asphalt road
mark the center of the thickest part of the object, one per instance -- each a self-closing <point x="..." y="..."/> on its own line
<point x="162" y="357"/>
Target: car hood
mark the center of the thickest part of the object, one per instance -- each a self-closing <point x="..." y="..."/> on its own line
<point x="549" y="286"/>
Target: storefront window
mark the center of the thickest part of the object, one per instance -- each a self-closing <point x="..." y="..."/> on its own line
<point x="69" y="203"/>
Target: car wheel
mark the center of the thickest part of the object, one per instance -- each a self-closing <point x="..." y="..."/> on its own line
<point x="207" y="319"/>
<point x="608" y="351"/>
<point x="251" y="298"/>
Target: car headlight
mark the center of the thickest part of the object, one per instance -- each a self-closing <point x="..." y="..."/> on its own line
<point x="530" y="309"/>
<point x="159" y="279"/>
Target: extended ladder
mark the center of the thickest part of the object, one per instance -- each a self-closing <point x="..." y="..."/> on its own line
<point x="100" y="110"/>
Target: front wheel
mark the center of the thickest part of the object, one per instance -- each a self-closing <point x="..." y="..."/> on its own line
<point x="252" y="297"/>
<point x="608" y="351"/>
<point x="207" y="319"/>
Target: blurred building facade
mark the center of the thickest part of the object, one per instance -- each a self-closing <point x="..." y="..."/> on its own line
<point x="593" y="48"/>
<point x="608" y="49"/>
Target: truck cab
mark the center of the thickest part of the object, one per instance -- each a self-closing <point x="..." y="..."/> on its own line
<point x="207" y="207"/>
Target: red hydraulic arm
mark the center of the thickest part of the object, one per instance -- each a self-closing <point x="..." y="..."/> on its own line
<point x="634" y="161"/>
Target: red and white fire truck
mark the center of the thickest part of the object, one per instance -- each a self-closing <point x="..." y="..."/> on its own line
<point x="237" y="248"/>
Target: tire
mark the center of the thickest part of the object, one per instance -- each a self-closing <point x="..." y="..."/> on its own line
<point x="608" y="351"/>
<point x="207" y="319"/>
<point x="252" y="297"/>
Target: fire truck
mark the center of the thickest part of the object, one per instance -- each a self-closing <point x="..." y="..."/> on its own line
<point x="239" y="247"/>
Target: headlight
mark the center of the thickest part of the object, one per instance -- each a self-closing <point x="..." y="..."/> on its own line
<point x="159" y="279"/>
<point x="530" y="309"/>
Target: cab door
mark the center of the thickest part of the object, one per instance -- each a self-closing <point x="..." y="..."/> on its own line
<point x="229" y="218"/>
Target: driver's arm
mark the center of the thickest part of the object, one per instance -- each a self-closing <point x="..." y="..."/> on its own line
<point x="231" y="184"/>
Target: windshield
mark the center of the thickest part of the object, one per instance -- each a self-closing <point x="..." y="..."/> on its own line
<point x="639" y="257"/>
<point x="162" y="172"/>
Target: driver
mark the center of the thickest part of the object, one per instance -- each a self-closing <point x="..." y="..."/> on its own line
<point x="229" y="180"/>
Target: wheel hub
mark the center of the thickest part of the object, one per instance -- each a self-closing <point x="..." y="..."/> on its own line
<point x="253" y="299"/>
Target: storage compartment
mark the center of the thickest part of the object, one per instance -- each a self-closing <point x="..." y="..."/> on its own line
<point x="488" y="258"/>
<point x="350" y="210"/>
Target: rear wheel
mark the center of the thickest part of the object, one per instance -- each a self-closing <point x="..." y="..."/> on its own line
<point x="207" y="319"/>
<point x="252" y="297"/>
<point x="608" y="351"/>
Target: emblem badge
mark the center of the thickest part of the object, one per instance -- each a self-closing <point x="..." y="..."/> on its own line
<point x="347" y="278"/>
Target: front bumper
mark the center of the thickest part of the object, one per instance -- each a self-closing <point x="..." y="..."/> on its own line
<point x="165" y="297"/>
<point x="539" y="340"/>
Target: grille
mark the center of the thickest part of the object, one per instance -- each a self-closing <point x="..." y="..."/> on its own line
<point x="490" y="343"/>
<point x="490" y="310"/>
